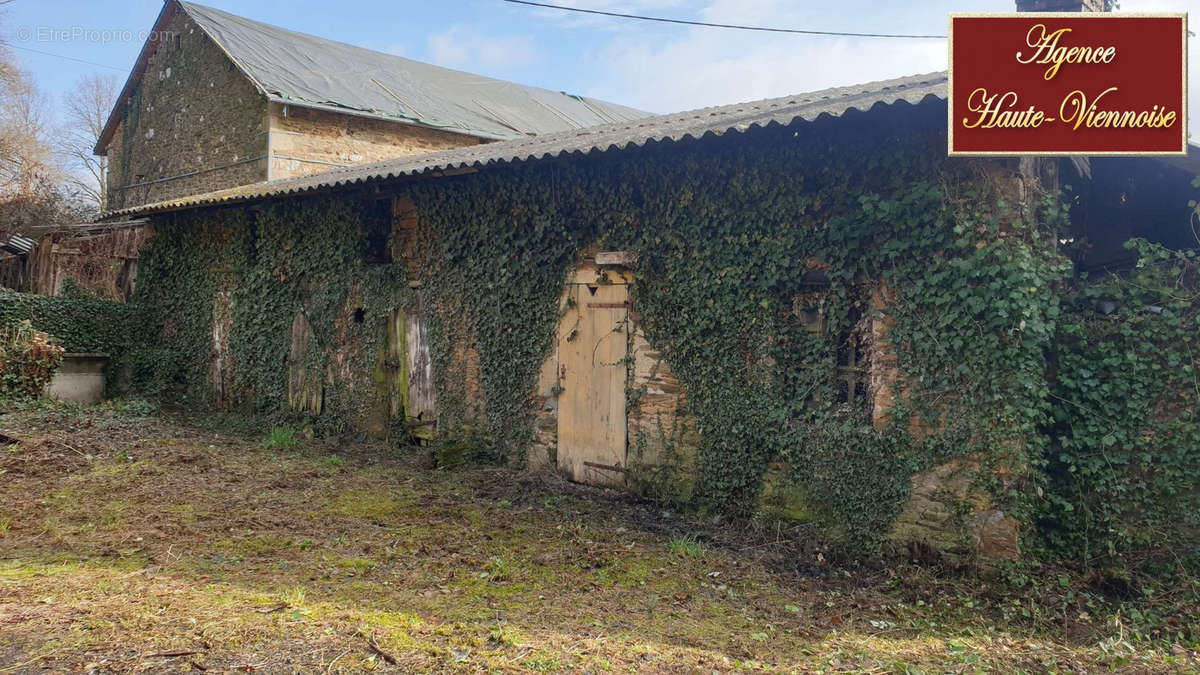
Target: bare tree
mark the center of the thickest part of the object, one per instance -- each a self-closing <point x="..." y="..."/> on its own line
<point x="85" y="109"/>
<point x="31" y="191"/>
<point x="26" y="158"/>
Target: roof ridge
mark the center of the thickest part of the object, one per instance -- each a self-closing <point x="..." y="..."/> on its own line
<point x="187" y="3"/>
<point x="307" y="70"/>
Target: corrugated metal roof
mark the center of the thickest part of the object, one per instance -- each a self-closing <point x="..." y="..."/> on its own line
<point x="310" y="71"/>
<point x="674" y="127"/>
<point x="18" y="244"/>
<point x="302" y="69"/>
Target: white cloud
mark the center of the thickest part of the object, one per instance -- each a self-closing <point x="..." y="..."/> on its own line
<point x="698" y="67"/>
<point x="463" y="47"/>
<point x="711" y="66"/>
<point x="640" y="7"/>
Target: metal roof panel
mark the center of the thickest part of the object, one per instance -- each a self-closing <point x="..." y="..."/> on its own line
<point x="737" y="117"/>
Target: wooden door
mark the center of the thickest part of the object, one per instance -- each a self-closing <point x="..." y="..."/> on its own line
<point x="422" y="399"/>
<point x="593" y="343"/>
<point x="306" y="390"/>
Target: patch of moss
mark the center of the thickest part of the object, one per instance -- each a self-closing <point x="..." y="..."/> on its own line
<point x="356" y="566"/>
<point x="367" y="504"/>
<point x="783" y="497"/>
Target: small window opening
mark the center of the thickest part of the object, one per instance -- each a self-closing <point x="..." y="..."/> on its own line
<point x="806" y="304"/>
<point x="360" y="315"/>
<point x="851" y="366"/>
<point x="810" y="318"/>
<point x="809" y="307"/>
<point x="376" y="233"/>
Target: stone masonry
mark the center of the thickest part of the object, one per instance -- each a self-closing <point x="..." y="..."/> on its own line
<point x="192" y="124"/>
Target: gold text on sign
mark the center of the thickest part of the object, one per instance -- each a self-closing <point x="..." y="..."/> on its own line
<point x="1078" y="111"/>
<point x="999" y="110"/>
<point x="1047" y="50"/>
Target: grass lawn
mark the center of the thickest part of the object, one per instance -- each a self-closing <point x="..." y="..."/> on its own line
<point x="158" y="544"/>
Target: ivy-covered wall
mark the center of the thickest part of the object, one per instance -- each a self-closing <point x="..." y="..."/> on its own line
<point x="80" y="322"/>
<point x="729" y="235"/>
<point x="226" y="287"/>
<point x="1124" y="427"/>
<point x="763" y="260"/>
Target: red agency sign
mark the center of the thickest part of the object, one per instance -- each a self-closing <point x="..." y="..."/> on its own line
<point x="1068" y="84"/>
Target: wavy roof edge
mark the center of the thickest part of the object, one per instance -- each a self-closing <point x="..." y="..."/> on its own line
<point x="737" y="117"/>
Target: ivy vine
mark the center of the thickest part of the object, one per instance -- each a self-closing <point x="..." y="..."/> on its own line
<point x="1000" y="356"/>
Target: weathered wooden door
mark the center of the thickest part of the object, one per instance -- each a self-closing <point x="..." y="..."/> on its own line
<point x="421" y="407"/>
<point x="405" y="391"/>
<point x="306" y="390"/>
<point x="222" y="323"/>
<point x="593" y="343"/>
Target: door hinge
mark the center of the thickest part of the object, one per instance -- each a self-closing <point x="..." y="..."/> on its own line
<point x="608" y="305"/>
<point x="606" y="467"/>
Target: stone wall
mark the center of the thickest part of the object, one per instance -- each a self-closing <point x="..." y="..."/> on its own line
<point x="193" y="124"/>
<point x="306" y="141"/>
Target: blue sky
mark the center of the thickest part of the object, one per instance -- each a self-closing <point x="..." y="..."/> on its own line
<point x="661" y="68"/>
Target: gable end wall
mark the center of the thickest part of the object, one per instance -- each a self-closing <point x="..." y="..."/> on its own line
<point x="192" y="124"/>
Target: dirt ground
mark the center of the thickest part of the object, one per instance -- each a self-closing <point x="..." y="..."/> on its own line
<point x="147" y="544"/>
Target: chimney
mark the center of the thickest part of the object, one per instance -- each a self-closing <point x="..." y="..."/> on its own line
<point x="1062" y="5"/>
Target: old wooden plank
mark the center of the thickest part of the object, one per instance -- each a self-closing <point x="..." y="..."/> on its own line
<point x="422" y="397"/>
<point x="306" y="391"/>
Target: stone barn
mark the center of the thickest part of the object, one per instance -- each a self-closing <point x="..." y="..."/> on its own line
<point x="798" y="305"/>
<point x="794" y="308"/>
<point x="216" y="101"/>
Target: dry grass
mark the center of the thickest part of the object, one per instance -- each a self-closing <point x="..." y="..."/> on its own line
<point x="137" y="544"/>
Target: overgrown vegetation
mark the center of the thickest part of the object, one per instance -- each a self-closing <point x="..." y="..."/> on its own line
<point x="140" y="544"/>
<point x="79" y="321"/>
<point x="28" y="360"/>
<point x="281" y="438"/>
<point x="763" y="268"/>
<point x="82" y="323"/>
<point x="260" y="270"/>
<point x="741" y="239"/>
<point x="1125" y="434"/>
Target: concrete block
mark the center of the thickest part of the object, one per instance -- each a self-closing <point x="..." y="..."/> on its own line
<point x="80" y="378"/>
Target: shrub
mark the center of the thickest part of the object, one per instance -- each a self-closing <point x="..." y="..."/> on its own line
<point x="686" y="547"/>
<point x="28" y="360"/>
<point x="281" y="438"/>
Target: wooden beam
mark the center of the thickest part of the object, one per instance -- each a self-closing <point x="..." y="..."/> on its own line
<point x="617" y="258"/>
